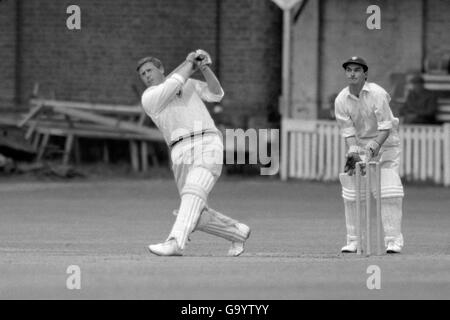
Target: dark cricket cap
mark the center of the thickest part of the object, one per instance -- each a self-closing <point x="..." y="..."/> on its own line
<point x="356" y="60"/>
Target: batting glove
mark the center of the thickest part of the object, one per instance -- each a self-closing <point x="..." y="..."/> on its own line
<point x="350" y="163"/>
<point x="372" y="148"/>
<point x="352" y="157"/>
<point x="202" y="58"/>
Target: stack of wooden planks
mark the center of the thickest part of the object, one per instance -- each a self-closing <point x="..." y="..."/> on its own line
<point x="73" y="120"/>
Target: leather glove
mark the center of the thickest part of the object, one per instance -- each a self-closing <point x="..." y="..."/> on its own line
<point x="202" y="58"/>
<point x="372" y="148"/>
<point x="352" y="157"/>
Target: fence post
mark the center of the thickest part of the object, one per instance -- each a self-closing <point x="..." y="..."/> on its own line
<point x="447" y="154"/>
<point x="284" y="150"/>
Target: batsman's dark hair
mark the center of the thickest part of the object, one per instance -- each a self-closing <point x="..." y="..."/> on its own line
<point x="156" y="62"/>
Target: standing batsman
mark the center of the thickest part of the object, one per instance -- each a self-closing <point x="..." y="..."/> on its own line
<point x="175" y="105"/>
<point x="369" y="128"/>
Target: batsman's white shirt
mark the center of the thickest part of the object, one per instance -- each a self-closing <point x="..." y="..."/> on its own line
<point x="176" y="106"/>
<point x="177" y="109"/>
<point x="362" y="117"/>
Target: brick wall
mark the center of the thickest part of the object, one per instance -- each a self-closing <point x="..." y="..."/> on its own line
<point x="438" y="27"/>
<point x="97" y="62"/>
<point x="7" y="53"/>
<point x="305" y="62"/>
<point x="250" y="66"/>
<point x="396" y="47"/>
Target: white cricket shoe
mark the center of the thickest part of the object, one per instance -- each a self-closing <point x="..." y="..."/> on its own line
<point x="168" y="248"/>
<point x="351" y="247"/>
<point x="237" y="247"/>
<point x="392" y="247"/>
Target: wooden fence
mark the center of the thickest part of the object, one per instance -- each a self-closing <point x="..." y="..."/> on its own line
<point x="315" y="150"/>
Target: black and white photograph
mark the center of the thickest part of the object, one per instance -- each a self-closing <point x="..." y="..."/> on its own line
<point x="224" y="155"/>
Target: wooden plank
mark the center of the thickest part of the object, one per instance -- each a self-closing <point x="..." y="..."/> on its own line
<point x="111" y="122"/>
<point x="105" y="152"/>
<point x="335" y="134"/>
<point x="402" y="154"/>
<point x="307" y="151"/>
<point x="95" y="107"/>
<point x="343" y="153"/>
<point x="284" y="151"/>
<point x="415" y="137"/>
<point x="408" y="152"/>
<point x="77" y="150"/>
<point x="300" y="154"/>
<point x="79" y="126"/>
<point x="86" y="133"/>
<point x="446" y="142"/>
<point x="142" y="118"/>
<point x="429" y="151"/>
<point x="423" y="153"/>
<point x="30" y="115"/>
<point x="144" y="154"/>
<point x="152" y="153"/>
<point x="42" y="146"/>
<point x="35" y="140"/>
<point x="435" y="77"/>
<point x="134" y="156"/>
<point x="328" y="152"/>
<point x="321" y="155"/>
<point x="30" y="131"/>
<point x="437" y="86"/>
<point x="67" y="149"/>
<point x="314" y="158"/>
<point x="437" y="159"/>
<point x="292" y="153"/>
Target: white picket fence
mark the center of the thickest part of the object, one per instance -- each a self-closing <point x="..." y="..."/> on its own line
<point x="315" y="150"/>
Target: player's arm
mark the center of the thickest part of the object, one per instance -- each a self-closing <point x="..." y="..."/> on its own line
<point x="345" y="123"/>
<point x="348" y="131"/>
<point x="383" y="114"/>
<point x="211" y="79"/>
<point x="212" y="91"/>
<point x="187" y="67"/>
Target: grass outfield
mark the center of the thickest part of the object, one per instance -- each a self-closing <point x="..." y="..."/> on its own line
<point x="104" y="227"/>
